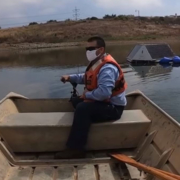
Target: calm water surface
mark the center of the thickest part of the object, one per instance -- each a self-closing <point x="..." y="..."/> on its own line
<point x="37" y="75"/>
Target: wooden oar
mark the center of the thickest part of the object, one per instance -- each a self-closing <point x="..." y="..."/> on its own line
<point x="153" y="171"/>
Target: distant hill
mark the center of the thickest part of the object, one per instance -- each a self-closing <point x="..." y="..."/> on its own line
<point x="111" y="28"/>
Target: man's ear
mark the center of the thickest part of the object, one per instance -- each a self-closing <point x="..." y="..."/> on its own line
<point x="103" y="49"/>
<point x="100" y="51"/>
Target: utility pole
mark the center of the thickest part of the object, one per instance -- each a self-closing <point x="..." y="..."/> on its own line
<point x="75" y="13"/>
<point x="138" y="12"/>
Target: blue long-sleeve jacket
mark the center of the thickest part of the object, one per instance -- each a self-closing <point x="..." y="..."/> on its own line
<point x="107" y="77"/>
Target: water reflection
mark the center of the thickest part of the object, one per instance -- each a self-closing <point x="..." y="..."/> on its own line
<point x="160" y="84"/>
<point x="55" y="58"/>
<point x="58" y="58"/>
<point x="146" y="71"/>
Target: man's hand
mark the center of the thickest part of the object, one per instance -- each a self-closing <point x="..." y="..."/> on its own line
<point x="83" y="95"/>
<point x="65" y="78"/>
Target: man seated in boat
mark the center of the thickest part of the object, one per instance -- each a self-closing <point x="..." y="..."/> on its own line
<point x="103" y="98"/>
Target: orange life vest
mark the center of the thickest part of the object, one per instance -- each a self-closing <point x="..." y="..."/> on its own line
<point x="92" y="72"/>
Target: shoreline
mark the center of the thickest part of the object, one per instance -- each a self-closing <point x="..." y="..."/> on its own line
<point x="50" y="46"/>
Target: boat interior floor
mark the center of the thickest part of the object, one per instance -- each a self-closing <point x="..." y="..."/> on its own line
<point x="86" y="170"/>
<point x="89" y="154"/>
<point x="42" y="159"/>
<point x="97" y="165"/>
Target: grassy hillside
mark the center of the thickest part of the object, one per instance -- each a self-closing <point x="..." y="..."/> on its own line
<point x="72" y="31"/>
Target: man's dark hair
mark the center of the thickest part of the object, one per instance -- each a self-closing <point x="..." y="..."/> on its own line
<point x="100" y="41"/>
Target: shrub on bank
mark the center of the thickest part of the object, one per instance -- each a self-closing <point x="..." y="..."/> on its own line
<point x="33" y="23"/>
<point x="51" y="21"/>
<point x="109" y="16"/>
<point x="92" y="18"/>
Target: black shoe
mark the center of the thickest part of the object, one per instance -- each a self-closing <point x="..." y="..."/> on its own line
<point x="70" y="154"/>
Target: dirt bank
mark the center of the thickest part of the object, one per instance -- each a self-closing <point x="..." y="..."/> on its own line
<point x="70" y="34"/>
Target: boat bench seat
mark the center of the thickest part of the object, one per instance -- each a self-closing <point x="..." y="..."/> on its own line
<point x="48" y="132"/>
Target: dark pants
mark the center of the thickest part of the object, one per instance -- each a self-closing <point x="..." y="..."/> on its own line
<point x="87" y="113"/>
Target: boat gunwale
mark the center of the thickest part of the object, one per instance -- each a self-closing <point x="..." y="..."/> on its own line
<point x="138" y="92"/>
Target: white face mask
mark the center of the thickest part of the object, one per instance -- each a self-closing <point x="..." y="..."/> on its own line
<point x="91" y="55"/>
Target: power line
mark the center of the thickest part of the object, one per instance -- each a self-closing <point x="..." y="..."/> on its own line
<point x="28" y="22"/>
<point x="76" y="14"/>
<point x="41" y="21"/>
<point x="18" y="17"/>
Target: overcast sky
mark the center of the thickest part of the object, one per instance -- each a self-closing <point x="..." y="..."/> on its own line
<point x="21" y="12"/>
